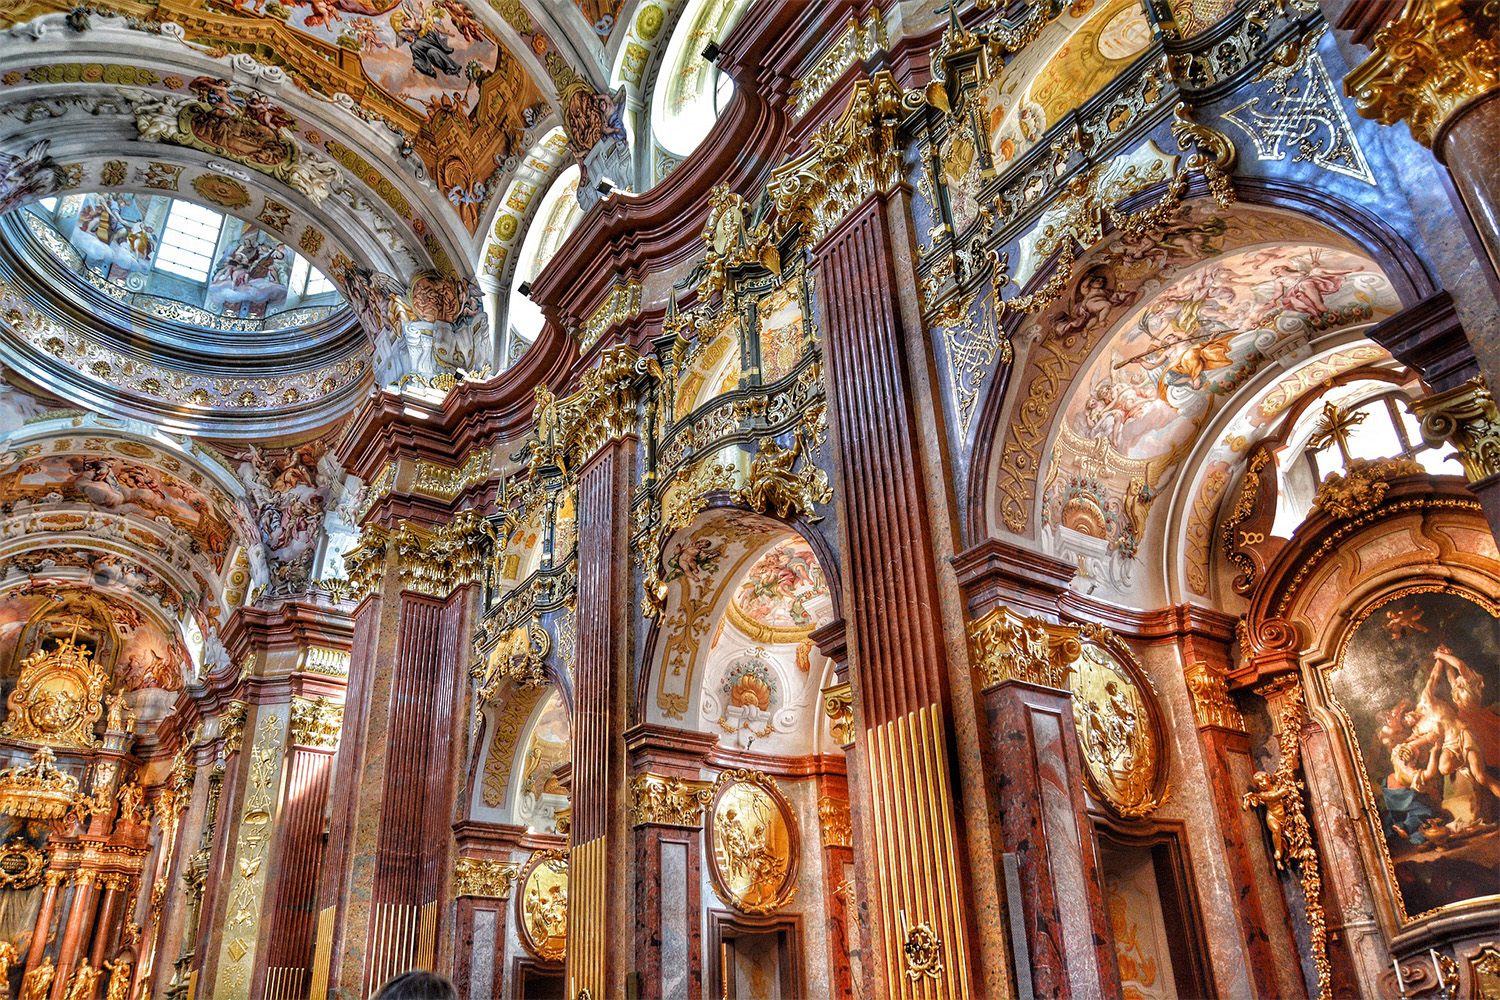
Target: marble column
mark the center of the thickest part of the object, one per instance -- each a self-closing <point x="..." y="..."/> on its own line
<point x="54" y="881"/>
<point x="599" y="925"/>
<point x="838" y="886"/>
<point x="290" y="927"/>
<point x="1468" y="142"/>
<point x="81" y="912"/>
<point x="909" y="825"/>
<point x="116" y="888"/>
<point x="1045" y="823"/>
<point x="666" y="807"/>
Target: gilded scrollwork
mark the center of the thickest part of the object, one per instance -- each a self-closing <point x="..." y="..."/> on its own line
<point x="923" y="950"/>
<point x="56" y="700"/>
<point x="1433" y="58"/>
<point x="1212" y="703"/>
<point x="439" y="560"/>
<point x="1280" y="793"/>
<point x="1467" y="417"/>
<point x="838" y="705"/>
<point x="520" y="656"/>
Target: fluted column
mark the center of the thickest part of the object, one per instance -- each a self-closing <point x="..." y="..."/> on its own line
<point x="291" y="890"/>
<point x="891" y="605"/>
<point x="599" y="931"/>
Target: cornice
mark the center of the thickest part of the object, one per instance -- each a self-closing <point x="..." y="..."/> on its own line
<point x="293" y="624"/>
<point x="997" y="572"/>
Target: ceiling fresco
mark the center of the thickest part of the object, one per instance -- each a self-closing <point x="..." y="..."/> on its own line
<point x="1170" y="365"/>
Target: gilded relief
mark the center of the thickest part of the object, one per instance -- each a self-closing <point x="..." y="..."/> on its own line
<point x="752" y="838"/>
<point x="1119" y="726"/>
<point x="57" y="698"/>
<point x="543" y="905"/>
<point x="1418" y="685"/>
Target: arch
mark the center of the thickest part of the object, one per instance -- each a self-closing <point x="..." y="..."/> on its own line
<point x="682" y="89"/>
<point x="999" y="453"/>
<point x="721" y="569"/>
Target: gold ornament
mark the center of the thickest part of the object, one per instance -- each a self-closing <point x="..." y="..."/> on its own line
<point x="1468" y="418"/>
<point x="1365" y="486"/>
<point x="668" y="801"/>
<point x="436" y="562"/>
<point x="37" y="984"/>
<point x="57" y="698"/>
<point x="22" y="864"/>
<point x="1212" y="704"/>
<point x="1279" y="792"/>
<point x="838" y="825"/>
<point x="752" y="838"/>
<point x="1004" y="646"/>
<point x="484" y="877"/>
<point x="316" y="722"/>
<point x="838" y="705"/>
<point x="1431" y="60"/>
<point x="924" y="953"/>
<point x="772" y="485"/>
<point x="1120" y="729"/>
<point x="520" y="656"/>
<point x="37" y="790"/>
<point x="543" y="905"/>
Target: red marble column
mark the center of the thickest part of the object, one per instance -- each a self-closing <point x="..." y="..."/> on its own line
<point x="115" y="887"/>
<point x="838" y="887"/>
<point x="1045" y="822"/>
<point x="44" y="917"/>
<point x="412" y="845"/>
<point x="291" y="892"/>
<point x="668" y="853"/>
<point x="75" y="933"/>
<point x="599" y="928"/>
<point x="891" y="604"/>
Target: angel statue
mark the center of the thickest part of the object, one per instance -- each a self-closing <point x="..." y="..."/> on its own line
<point x="37" y="984"/>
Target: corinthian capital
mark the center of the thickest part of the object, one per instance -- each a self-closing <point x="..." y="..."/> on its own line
<point x="1435" y="57"/>
<point x="1467" y="417"/>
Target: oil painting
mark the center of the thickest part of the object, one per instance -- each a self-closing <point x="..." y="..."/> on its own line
<point x="1418" y="682"/>
<point x="782" y="332"/>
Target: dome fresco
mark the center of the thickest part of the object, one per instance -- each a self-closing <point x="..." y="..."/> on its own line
<point x="180" y="261"/>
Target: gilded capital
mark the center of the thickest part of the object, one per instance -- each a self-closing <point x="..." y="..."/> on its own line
<point x="365" y="563"/>
<point x="1468" y="418"/>
<point x="438" y="561"/>
<point x="837" y="823"/>
<point x="849" y="159"/>
<point x="483" y="877"/>
<point x="1435" y="57"/>
<point x="1005" y="646"/>
<point x="669" y="801"/>
<point x="1212" y="704"/>
<point x="316" y="723"/>
<point x="838" y="705"/>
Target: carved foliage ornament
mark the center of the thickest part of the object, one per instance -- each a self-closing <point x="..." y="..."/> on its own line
<point x="1434" y="57"/>
<point x="439" y="561"/>
<point x="752" y="842"/>
<point x="520" y="656"/>
<point x="1365" y="486"/>
<point x="316" y="722"/>
<point x="668" y="801"/>
<point x="484" y="877"/>
<point x="1005" y="646"/>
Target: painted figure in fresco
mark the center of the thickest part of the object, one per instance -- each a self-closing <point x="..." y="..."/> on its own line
<point x="112" y="233"/>
<point x="30" y="175"/>
<point x="1093" y="300"/>
<point x="1304" y="286"/>
<point x="418" y="28"/>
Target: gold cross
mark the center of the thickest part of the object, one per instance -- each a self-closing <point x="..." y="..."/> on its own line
<point x="1338" y="423"/>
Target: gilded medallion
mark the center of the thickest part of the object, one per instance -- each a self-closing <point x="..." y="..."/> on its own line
<point x="1119" y="725"/>
<point x="752" y="840"/>
<point x="542" y="905"/>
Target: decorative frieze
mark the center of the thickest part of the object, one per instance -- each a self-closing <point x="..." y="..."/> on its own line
<point x="860" y="41"/>
<point x="1005" y="646"/>
<point x="322" y="660"/>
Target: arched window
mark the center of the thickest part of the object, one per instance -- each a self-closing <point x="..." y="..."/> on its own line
<point x="555" y="218"/>
<point x="691" y="92"/>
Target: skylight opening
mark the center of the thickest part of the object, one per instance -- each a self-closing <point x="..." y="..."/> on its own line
<point x="188" y="241"/>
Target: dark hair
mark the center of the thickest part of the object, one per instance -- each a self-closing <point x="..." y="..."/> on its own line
<point x="418" y="984"/>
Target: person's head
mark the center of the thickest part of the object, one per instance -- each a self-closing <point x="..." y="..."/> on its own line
<point x="418" y="984"/>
